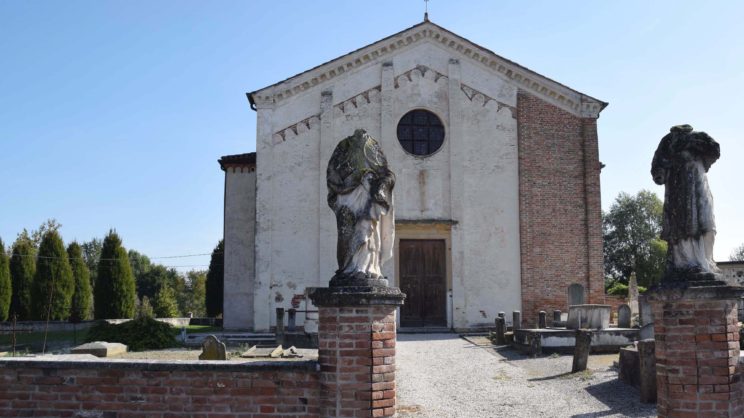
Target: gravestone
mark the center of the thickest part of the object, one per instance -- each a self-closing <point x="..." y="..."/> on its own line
<point x="575" y="294"/>
<point x="516" y="320"/>
<point x="581" y="350"/>
<point x="557" y="318"/>
<point x="100" y="349"/>
<point x="588" y="317"/>
<point x="633" y="295"/>
<point x="213" y="349"/>
<point x="623" y="316"/>
<point x="500" y="331"/>
<point x="542" y="320"/>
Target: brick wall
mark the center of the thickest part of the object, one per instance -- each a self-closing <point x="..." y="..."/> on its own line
<point x="113" y="389"/>
<point x="559" y="207"/>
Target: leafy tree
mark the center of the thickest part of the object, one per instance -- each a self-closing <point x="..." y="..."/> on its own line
<point x="215" y="281"/>
<point x="5" y="284"/>
<point x="141" y="266"/>
<point x="197" y="291"/>
<point x="115" y="290"/>
<point x="144" y="310"/>
<point x="22" y="271"/>
<point x="631" y="232"/>
<point x="737" y="254"/>
<point x="83" y="295"/>
<point x="50" y="225"/>
<point x="165" y="303"/>
<point x="53" y="282"/>
<point x="91" y="255"/>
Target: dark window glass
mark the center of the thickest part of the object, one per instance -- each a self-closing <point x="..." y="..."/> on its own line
<point x="420" y="132"/>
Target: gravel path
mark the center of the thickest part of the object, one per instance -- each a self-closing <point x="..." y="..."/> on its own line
<point x="442" y="375"/>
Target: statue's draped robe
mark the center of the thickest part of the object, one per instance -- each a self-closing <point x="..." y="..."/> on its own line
<point x="360" y="187"/>
<point x="680" y="163"/>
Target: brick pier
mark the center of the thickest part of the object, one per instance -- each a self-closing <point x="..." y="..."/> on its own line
<point x="697" y="352"/>
<point x="356" y="337"/>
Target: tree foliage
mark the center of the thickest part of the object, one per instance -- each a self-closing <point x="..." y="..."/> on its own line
<point x="6" y="289"/>
<point x="631" y="232"/>
<point x="22" y="271"/>
<point x="197" y="292"/>
<point x="83" y="295"/>
<point x="737" y="254"/>
<point x="53" y="283"/>
<point x="37" y="235"/>
<point x="91" y="255"/>
<point x="143" y="333"/>
<point x="115" y="289"/>
<point x="165" y="303"/>
<point x="215" y="281"/>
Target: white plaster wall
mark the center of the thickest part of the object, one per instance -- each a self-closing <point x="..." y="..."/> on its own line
<point x="490" y="219"/>
<point x="240" y="222"/>
<point x="295" y="232"/>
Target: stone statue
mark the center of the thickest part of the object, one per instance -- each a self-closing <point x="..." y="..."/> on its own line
<point x="360" y="192"/>
<point x="680" y="163"/>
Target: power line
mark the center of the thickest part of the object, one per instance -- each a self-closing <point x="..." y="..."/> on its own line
<point x="113" y="259"/>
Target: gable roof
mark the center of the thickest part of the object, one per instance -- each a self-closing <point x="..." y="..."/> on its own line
<point x="549" y="90"/>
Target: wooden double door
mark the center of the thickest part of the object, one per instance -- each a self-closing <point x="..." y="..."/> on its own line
<point x="423" y="278"/>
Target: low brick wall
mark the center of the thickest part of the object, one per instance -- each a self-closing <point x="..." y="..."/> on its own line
<point x="118" y="388"/>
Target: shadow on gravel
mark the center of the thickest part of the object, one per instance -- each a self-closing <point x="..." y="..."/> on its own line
<point x="427" y="337"/>
<point x="607" y="393"/>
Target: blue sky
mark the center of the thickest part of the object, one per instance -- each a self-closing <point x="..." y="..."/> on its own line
<point x="113" y="113"/>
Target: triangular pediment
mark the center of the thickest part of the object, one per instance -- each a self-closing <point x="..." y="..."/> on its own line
<point x="549" y="90"/>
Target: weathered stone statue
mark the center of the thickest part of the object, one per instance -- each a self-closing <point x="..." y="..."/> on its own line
<point x="680" y="163"/>
<point x="360" y="192"/>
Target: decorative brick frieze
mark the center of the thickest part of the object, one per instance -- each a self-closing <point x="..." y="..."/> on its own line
<point x="472" y="94"/>
<point x="423" y="71"/>
<point x="555" y="93"/>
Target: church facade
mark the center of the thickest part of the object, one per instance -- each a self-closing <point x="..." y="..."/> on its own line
<point x="497" y="199"/>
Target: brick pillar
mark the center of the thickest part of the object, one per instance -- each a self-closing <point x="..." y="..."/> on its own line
<point x="356" y="351"/>
<point x="697" y="352"/>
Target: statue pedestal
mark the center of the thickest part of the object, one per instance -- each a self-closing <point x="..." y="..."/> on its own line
<point x="356" y="349"/>
<point x="697" y="349"/>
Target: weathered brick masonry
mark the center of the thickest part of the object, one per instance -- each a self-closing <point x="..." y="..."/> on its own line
<point x="697" y="354"/>
<point x="559" y="206"/>
<point x="357" y="361"/>
<point x="120" y="389"/>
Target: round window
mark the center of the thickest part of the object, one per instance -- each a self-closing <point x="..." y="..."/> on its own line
<point x="420" y="132"/>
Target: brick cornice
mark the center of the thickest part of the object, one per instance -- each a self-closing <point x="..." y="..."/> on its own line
<point x="549" y="90"/>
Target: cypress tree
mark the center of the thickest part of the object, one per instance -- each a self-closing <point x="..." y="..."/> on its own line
<point x="115" y="295"/>
<point x="165" y="303"/>
<point x="82" y="296"/>
<point x="53" y="279"/>
<point x="22" y="271"/>
<point x="5" y="284"/>
<point x="216" y="281"/>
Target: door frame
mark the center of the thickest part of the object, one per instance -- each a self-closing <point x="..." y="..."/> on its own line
<point x="426" y="230"/>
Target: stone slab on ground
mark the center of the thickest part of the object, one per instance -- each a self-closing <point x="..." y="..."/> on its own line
<point x="100" y="349"/>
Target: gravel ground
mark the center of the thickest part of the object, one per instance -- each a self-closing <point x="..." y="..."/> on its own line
<point x="442" y="375"/>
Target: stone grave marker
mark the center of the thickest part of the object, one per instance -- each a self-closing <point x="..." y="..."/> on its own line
<point x="213" y="349"/>
<point x="623" y="316"/>
<point x="575" y="294"/>
<point x="100" y="349"/>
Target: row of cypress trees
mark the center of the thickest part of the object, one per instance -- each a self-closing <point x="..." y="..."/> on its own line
<point x="54" y="282"/>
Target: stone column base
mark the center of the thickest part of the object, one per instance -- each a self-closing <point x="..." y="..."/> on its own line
<point x="697" y="351"/>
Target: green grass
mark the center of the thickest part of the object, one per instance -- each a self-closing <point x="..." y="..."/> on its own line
<point x="199" y="329"/>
